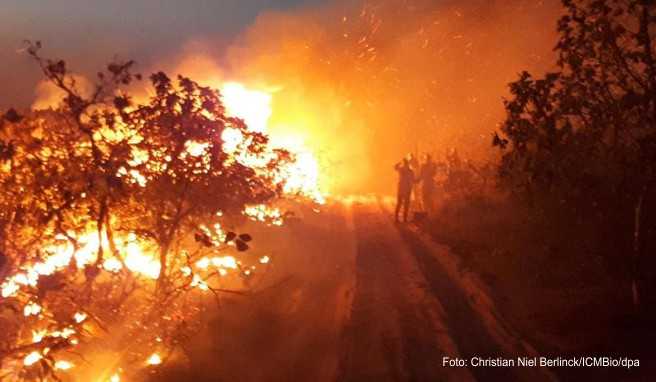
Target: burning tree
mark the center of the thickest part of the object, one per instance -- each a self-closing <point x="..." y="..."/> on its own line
<point x="111" y="215"/>
<point x="584" y="137"/>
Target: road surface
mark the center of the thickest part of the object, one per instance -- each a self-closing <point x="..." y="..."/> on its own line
<point x="352" y="296"/>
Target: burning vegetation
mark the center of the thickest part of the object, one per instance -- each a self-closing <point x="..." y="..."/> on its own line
<point x="118" y="202"/>
<point x="113" y="220"/>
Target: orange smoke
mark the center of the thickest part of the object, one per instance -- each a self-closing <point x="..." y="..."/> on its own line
<point x="357" y="84"/>
<point x="364" y="82"/>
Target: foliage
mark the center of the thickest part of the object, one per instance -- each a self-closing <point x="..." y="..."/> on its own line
<point x="583" y="138"/>
<point x="593" y="120"/>
<point x="111" y="215"/>
<point x="463" y="179"/>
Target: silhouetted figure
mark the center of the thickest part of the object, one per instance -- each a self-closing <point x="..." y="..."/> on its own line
<point x="427" y="179"/>
<point x="404" y="191"/>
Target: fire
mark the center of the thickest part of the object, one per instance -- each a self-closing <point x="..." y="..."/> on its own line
<point x="253" y="106"/>
<point x="87" y="254"/>
<point x="154" y="359"/>
<point x="79" y="317"/>
<point x="301" y="176"/>
<point x="32" y="358"/>
<point x="32" y="309"/>
<point x="219" y="262"/>
<point x="265" y="214"/>
<point x="63" y="365"/>
<point x="62" y="254"/>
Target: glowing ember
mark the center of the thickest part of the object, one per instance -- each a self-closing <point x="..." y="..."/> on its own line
<point x="112" y="265"/>
<point x="37" y="335"/>
<point x="79" y="317"/>
<point x="264" y="213"/>
<point x="196" y="149"/>
<point x="115" y="378"/>
<point x="32" y="358"/>
<point x="63" y="365"/>
<point x="225" y="262"/>
<point x="154" y="359"/>
<point x="32" y="309"/>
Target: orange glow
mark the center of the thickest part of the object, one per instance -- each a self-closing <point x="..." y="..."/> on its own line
<point x="302" y="176"/>
<point x="154" y="359"/>
<point x="79" y="317"/>
<point x="63" y="365"/>
<point x="32" y="358"/>
<point x="253" y="106"/>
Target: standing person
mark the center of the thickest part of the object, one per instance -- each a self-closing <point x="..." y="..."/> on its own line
<point x="404" y="191"/>
<point x="427" y="179"/>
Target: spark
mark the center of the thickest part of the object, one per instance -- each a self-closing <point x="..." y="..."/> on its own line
<point x="154" y="359"/>
<point x="79" y="317"/>
<point x="32" y="358"/>
<point x="63" y="365"/>
<point x="195" y="148"/>
<point x="32" y="309"/>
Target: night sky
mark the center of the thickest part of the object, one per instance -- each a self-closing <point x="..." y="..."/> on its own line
<point x="88" y="33"/>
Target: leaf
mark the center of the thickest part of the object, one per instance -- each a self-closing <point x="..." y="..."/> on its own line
<point x="245" y="237"/>
<point x="241" y="246"/>
<point x="230" y="236"/>
<point x="121" y="102"/>
<point x="203" y="239"/>
<point x="12" y="116"/>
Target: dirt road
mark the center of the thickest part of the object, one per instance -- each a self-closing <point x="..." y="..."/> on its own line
<point x="354" y="297"/>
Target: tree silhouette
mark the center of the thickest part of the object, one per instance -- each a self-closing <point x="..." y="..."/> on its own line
<point x="584" y="136"/>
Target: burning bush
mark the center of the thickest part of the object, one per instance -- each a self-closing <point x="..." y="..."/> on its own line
<point x="111" y="216"/>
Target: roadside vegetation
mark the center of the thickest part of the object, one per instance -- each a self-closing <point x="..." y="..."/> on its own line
<point x="564" y="226"/>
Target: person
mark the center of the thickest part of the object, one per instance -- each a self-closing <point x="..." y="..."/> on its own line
<point x="404" y="190"/>
<point x="427" y="179"/>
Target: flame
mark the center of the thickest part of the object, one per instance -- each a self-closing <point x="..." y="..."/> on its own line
<point x="196" y="149"/>
<point x="32" y="309"/>
<point x="63" y="253"/>
<point x="253" y="106"/>
<point x="302" y="175"/>
<point x="154" y="359"/>
<point x="63" y="365"/>
<point x="138" y="262"/>
<point x="264" y="213"/>
<point x="32" y="358"/>
<point x="73" y="251"/>
<point x="79" y="317"/>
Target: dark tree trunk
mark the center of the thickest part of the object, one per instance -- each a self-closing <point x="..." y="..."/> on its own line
<point x="637" y="238"/>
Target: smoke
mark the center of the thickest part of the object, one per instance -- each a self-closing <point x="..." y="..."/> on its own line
<point x="48" y="95"/>
<point x="366" y="82"/>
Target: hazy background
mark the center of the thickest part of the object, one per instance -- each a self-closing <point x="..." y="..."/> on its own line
<point x="88" y="33"/>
